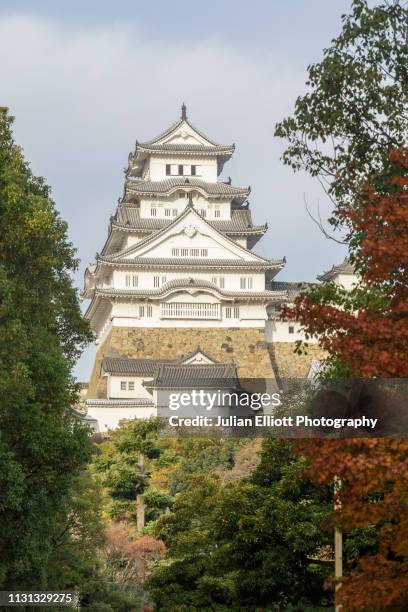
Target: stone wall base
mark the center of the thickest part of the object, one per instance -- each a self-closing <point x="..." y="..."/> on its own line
<point x="246" y="348"/>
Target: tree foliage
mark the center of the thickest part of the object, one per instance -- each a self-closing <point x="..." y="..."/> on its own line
<point x="253" y="543"/>
<point x="355" y="109"/>
<point x="367" y="332"/>
<point x="42" y="447"/>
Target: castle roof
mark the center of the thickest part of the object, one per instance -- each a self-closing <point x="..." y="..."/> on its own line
<point x="344" y="268"/>
<point x="170" y="185"/>
<point x="217" y="375"/>
<point x="293" y="289"/>
<point x="167" y="263"/>
<point x="189" y="284"/>
<point x="128" y="218"/>
<point x="136" y="367"/>
<point x="163" y="145"/>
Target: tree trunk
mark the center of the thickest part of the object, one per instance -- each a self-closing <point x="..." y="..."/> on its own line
<point x="140" y="506"/>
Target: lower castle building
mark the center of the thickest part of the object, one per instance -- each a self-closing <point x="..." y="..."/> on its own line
<point x="177" y="295"/>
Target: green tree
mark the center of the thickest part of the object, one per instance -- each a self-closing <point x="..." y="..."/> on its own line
<point x="254" y="543"/>
<point x="118" y="466"/>
<point x="355" y="109"/>
<point x="42" y="447"/>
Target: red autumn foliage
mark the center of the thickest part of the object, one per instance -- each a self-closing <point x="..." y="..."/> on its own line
<point x="130" y="553"/>
<point x="373" y="342"/>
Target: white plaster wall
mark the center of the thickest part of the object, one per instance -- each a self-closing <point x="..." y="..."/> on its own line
<point x="278" y="331"/>
<point x="232" y="280"/>
<point x="206" y="171"/>
<point x="114" y="390"/>
<point x="110" y="417"/>
<point x="348" y="281"/>
<point x="178" y="200"/>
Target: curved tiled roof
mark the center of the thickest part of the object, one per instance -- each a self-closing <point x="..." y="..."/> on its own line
<point x="167" y="186"/>
<point x="188" y="149"/>
<point x="128" y="217"/>
<point x="200" y="376"/>
<point x="186" y="262"/>
<point x="135" y="367"/>
<point x="344" y="268"/>
<point x="188" y="283"/>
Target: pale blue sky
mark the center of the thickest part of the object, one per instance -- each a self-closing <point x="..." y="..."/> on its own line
<point x="86" y="79"/>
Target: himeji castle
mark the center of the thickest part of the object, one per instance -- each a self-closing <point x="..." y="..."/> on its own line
<point x="177" y="293"/>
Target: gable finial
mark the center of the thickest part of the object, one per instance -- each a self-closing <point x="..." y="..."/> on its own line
<point x="184" y="112"/>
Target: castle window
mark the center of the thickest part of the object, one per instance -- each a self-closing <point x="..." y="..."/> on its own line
<point x="246" y="282"/>
<point x="156" y="281"/>
<point x="153" y="212"/>
<point x="167" y="212"/>
<point x="127" y="280"/>
<point x="195" y="252"/>
<point x="141" y="311"/>
<point x="123" y="385"/>
<point x="168" y="169"/>
<point x="184" y="252"/>
<point x="291" y="329"/>
<point x="149" y="311"/>
<point x="232" y="313"/>
<point x="135" y="280"/>
<point x="217" y="213"/>
<point x="204" y="252"/>
<point x="193" y="170"/>
<point x="181" y="169"/>
<point x="174" y="212"/>
<point x="175" y="252"/>
<point x="222" y="282"/>
<point x="131" y="386"/>
<point x="203" y="212"/>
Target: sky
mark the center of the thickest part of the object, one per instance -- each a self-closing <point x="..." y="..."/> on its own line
<point x="85" y="80"/>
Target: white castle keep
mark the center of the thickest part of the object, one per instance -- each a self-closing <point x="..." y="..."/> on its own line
<point x="177" y="294"/>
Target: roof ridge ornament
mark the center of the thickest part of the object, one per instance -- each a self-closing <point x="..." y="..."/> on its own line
<point x="183" y="112"/>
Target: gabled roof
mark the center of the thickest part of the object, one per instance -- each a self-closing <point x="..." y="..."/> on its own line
<point x="344" y="268"/>
<point x="126" y="366"/>
<point x="189" y="210"/>
<point x="159" y="145"/>
<point x="177" y="125"/>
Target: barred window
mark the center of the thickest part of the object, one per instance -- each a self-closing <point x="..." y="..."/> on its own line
<point x="204" y="252"/>
<point x="184" y="252"/>
<point x="131" y="386"/>
<point x="153" y="212"/>
<point x="123" y="385"/>
<point x="175" y="252"/>
<point x="217" y="213"/>
<point x="194" y="252"/>
<point x="167" y="212"/>
<point x="149" y="311"/>
<point x="156" y="281"/>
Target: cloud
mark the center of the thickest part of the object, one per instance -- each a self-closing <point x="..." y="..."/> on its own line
<point x="82" y="95"/>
